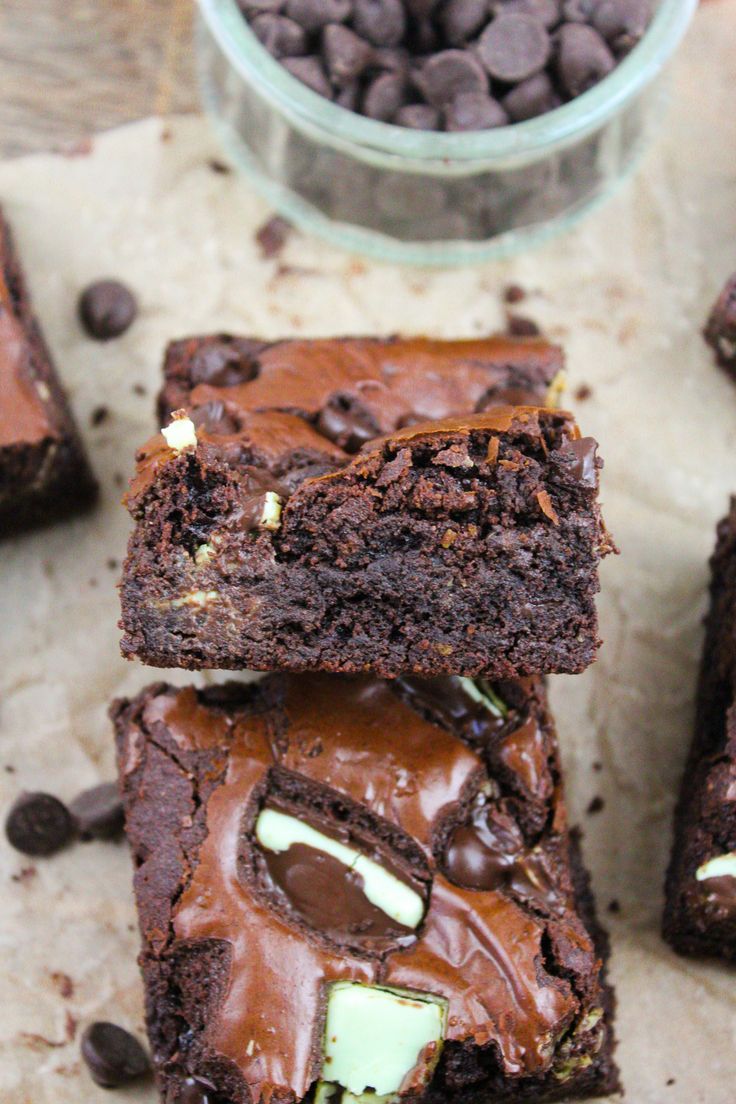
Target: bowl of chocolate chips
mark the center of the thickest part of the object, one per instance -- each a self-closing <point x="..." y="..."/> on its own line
<point x="436" y="131"/>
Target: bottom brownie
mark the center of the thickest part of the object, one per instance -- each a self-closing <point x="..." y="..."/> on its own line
<point x="357" y="891"/>
<point x="700" y="907"/>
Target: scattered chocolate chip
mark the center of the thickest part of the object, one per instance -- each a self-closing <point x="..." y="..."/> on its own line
<point x="578" y="11"/>
<point x="106" y="309"/>
<point x="595" y="805"/>
<point x="513" y="293"/>
<point x="514" y="47"/>
<point x="384" y="96"/>
<point x="272" y="236"/>
<point x="519" y="326"/>
<point x="449" y="74"/>
<point x="474" y="111"/>
<point x="546" y="11"/>
<point x="346" y="54"/>
<point x="99" y="415"/>
<point x="530" y="98"/>
<point x="113" y="1056"/>
<point x="382" y="22"/>
<point x="98" y="812"/>
<point x="39" y="824"/>
<point x="461" y="19"/>
<point x="315" y="14"/>
<point x="418" y="117"/>
<point x="583" y="58"/>
<point x="309" y="71"/>
<point x="282" y="37"/>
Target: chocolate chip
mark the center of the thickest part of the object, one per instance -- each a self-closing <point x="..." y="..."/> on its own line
<point x="253" y="7"/>
<point x="420" y="9"/>
<point x="310" y="72"/>
<point x="474" y="111"/>
<point x="578" y="11"/>
<point x="349" y="96"/>
<point x="532" y="97"/>
<point x="461" y="19"/>
<point x="313" y="15"/>
<point x="449" y="74"/>
<point x="345" y="54"/>
<point x="272" y="236"/>
<point x="382" y="22"/>
<point x="546" y="11"/>
<point x="622" y="22"/>
<point x="106" y="309"/>
<point x="221" y="364"/>
<point x="392" y="58"/>
<point x="384" y="96"/>
<point x="213" y="418"/>
<point x="514" y="47"/>
<point x="113" y="1056"/>
<point x="343" y="424"/>
<point x="583" y="58"/>
<point x="39" y="824"/>
<point x="281" y="36"/>
<point x="98" y="812"/>
<point x="418" y="117"/>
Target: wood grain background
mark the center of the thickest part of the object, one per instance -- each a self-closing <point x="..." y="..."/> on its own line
<point x="72" y="67"/>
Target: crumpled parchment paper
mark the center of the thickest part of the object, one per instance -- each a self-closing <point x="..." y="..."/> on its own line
<point x="626" y="293"/>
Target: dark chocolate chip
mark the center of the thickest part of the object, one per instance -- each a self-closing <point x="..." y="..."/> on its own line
<point x="474" y="111"/>
<point x="345" y="53"/>
<point x="349" y="96"/>
<point x="106" y="309"/>
<point x="392" y="58"/>
<point x="622" y="22"/>
<point x="461" y="19"/>
<point x="222" y="365"/>
<point x="384" y="96"/>
<point x="98" y="812"/>
<point x="113" y="1056"/>
<point x="583" y="58"/>
<point x="514" y="47"/>
<point x="281" y="36"/>
<point x="39" y="824"/>
<point x="418" y="117"/>
<point x="254" y="7"/>
<point x="578" y="11"/>
<point x="344" y="425"/>
<point x="421" y="9"/>
<point x="531" y="98"/>
<point x="310" y="72"/>
<point x="213" y="418"/>
<point x="382" y="22"/>
<point x="449" y="74"/>
<point x="312" y="15"/>
<point x="425" y="38"/>
<point x="546" y="11"/>
<point x="584" y="469"/>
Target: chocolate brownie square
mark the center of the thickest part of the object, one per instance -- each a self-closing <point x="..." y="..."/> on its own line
<point x="44" y="472"/>
<point x="720" y="330"/>
<point x="355" y="890"/>
<point x="700" y="909"/>
<point x="299" y="513"/>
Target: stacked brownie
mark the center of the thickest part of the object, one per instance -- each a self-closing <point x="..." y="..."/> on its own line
<point x="44" y="472"/>
<point x="355" y="879"/>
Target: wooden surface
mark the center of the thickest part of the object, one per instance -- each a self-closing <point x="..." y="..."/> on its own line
<point x="71" y="67"/>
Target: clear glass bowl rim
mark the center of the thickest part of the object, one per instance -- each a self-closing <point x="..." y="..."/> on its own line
<point x="308" y="109"/>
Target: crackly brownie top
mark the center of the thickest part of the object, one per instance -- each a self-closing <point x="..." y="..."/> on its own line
<point x="448" y="796"/>
<point x="24" y="415"/>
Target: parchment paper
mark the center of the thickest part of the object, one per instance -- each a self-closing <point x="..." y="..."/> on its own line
<point x="627" y="294"/>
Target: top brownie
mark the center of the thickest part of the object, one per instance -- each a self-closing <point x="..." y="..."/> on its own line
<point x="362" y="504"/>
<point x="43" y="468"/>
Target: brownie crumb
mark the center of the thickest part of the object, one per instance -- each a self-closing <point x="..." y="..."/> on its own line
<point x="670" y="1081"/>
<point x="139" y="389"/>
<point x="597" y="766"/>
<point x="517" y="325"/>
<point x="614" y="906"/>
<point x="219" y="167"/>
<point x="595" y="805"/>
<point x="9" y="768"/>
<point x="272" y="236"/>
<point x="514" y="293"/>
<point x="112" y="564"/>
<point x="100" y="414"/>
<point x="63" y="983"/>
<point x="583" y="392"/>
<point x="25" y="874"/>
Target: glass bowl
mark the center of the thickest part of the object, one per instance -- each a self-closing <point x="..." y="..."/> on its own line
<point x="425" y="197"/>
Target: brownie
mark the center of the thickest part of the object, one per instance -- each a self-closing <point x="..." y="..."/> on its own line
<point x="700" y="892"/>
<point x="276" y="528"/>
<point x="720" y="330"/>
<point x="44" y="473"/>
<point x="326" y="868"/>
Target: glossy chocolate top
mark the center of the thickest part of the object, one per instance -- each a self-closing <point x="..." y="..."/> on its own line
<point x="24" y="418"/>
<point x="424" y="792"/>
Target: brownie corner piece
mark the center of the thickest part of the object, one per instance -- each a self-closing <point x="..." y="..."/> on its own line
<point x="364" y="505"/>
<point x="720" y="329"/>
<point x="700" y="890"/>
<point x="44" y="472"/>
<point x="320" y="923"/>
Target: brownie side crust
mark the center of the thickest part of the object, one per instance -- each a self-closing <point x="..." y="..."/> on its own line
<point x="700" y="899"/>
<point x="467" y="546"/>
<point x="44" y="473"/>
<point x="226" y="956"/>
